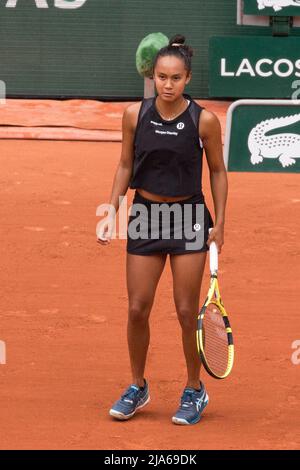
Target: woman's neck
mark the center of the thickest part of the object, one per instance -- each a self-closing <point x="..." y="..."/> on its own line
<point x="168" y="106"/>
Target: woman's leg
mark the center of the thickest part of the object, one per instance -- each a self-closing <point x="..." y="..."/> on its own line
<point x="143" y="273"/>
<point x="187" y="270"/>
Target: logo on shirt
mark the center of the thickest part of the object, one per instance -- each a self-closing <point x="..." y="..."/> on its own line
<point x="180" y="125"/>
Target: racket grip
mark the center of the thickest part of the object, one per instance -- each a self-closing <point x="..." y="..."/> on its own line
<point x="213" y="257"/>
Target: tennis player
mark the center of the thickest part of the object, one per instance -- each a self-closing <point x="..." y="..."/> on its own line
<point x="163" y="142"/>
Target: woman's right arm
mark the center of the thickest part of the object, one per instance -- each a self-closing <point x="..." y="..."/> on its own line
<point x="123" y="173"/>
<point x="124" y="170"/>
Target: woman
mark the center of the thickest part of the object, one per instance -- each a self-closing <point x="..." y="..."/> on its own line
<point x="163" y="141"/>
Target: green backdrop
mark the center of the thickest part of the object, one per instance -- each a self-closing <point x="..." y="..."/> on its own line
<point x="90" y="51"/>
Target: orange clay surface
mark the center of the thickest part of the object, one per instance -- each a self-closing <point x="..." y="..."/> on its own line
<point x="63" y="309"/>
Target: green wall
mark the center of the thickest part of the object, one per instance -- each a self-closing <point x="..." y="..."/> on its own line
<point x="90" y="51"/>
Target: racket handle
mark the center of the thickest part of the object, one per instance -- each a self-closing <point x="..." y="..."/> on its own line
<point x="213" y="257"/>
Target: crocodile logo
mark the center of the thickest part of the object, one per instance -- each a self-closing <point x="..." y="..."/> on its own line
<point x="285" y="146"/>
<point x="277" y="4"/>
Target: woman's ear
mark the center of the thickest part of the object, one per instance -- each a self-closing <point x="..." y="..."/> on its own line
<point x="188" y="78"/>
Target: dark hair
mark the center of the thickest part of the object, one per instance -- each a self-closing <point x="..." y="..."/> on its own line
<point x="183" y="52"/>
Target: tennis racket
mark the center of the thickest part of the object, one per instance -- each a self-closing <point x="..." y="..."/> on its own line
<point x="214" y="335"/>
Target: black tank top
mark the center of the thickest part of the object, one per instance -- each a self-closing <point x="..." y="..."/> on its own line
<point x="168" y="154"/>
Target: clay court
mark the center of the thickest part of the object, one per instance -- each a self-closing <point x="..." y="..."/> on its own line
<point x="64" y="304"/>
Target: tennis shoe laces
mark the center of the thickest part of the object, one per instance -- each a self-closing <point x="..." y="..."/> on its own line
<point x="192" y="404"/>
<point x="133" y="399"/>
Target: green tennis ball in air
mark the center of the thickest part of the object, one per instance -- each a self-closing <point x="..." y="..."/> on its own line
<point x="146" y="52"/>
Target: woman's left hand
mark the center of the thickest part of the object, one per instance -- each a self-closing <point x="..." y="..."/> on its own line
<point x="217" y="235"/>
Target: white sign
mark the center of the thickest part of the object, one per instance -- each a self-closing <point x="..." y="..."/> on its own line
<point x="277" y="4"/>
<point x="63" y="4"/>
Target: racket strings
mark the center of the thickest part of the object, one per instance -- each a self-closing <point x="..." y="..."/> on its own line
<point x="215" y="340"/>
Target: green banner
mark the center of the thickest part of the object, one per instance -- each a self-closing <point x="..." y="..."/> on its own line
<point x="254" y="67"/>
<point x="263" y="137"/>
<point x="272" y="7"/>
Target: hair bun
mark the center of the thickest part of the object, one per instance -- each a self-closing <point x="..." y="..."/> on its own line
<point x="178" y="39"/>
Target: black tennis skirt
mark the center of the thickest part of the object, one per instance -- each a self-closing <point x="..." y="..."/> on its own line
<point x="168" y="227"/>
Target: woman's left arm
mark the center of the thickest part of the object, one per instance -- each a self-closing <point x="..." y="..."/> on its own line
<point x="211" y="136"/>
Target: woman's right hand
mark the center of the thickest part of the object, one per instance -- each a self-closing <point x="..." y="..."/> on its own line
<point x="104" y="230"/>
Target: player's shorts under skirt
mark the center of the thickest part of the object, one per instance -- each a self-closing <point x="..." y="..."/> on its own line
<point x="168" y="227"/>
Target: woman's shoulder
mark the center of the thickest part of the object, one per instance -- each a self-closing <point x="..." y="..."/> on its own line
<point x="133" y="109"/>
<point x="208" y="122"/>
<point x="209" y="116"/>
<point x="131" y="113"/>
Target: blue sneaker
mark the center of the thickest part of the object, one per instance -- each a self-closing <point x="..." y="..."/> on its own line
<point x="133" y="399"/>
<point x="191" y="406"/>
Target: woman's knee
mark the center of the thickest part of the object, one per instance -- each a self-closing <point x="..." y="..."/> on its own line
<point x="139" y="311"/>
<point x="187" y="318"/>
